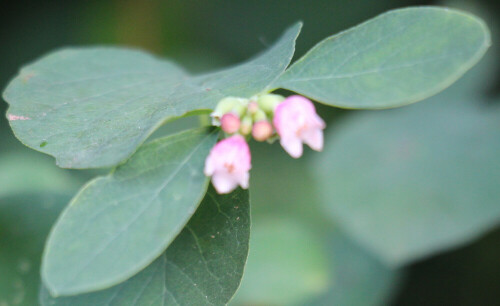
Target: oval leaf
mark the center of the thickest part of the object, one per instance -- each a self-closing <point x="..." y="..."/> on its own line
<point x="26" y="171"/>
<point x="92" y="107"/>
<point x="25" y="221"/>
<point x="281" y="222"/>
<point x="118" y="224"/>
<point x="203" y="266"/>
<point x="287" y="264"/>
<point x="359" y="278"/>
<point x="397" y="58"/>
<point x="411" y="182"/>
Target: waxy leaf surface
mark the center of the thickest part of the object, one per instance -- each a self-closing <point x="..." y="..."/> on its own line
<point x="92" y="107"/>
<point x="297" y="256"/>
<point x="411" y="182"/>
<point x="25" y="221"/>
<point x="287" y="264"/>
<point x="397" y="58"/>
<point x="118" y="224"/>
<point x="203" y="266"/>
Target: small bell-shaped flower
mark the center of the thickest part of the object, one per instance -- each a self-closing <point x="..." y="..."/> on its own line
<point x="228" y="164"/>
<point x="297" y="122"/>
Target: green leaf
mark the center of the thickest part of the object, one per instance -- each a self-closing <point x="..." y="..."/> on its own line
<point x="295" y="247"/>
<point x="291" y="263"/>
<point x="359" y="278"/>
<point x="30" y="172"/>
<point x="203" y="266"/>
<point x="92" y="107"/>
<point x="254" y="76"/>
<point x="118" y="224"/>
<point x="287" y="264"/>
<point x="412" y="182"/>
<point x="395" y="59"/>
<point x="25" y="221"/>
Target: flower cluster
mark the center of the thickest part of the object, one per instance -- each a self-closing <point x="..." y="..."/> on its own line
<point x="265" y="118"/>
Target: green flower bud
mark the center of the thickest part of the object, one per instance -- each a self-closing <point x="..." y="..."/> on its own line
<point x="226" y="105"/>
<point x="239" y="109"/>
<point x="246" y="125"/>
<point x="268" y="102"/>
<point x="259" y="115"/>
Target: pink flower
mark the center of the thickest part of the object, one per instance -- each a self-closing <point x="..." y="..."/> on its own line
<point x="297" y="122"/>
<point x="228" y="163"/>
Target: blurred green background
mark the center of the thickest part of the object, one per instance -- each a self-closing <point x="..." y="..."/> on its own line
<point x="304" y="249"/>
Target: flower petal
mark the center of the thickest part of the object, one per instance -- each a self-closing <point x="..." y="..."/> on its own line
<point x="243" y="179"/>
<point x="293" y="146"/>
<point x="209" y="165"/>
<point x="313" y="138"/>
<point x="228" y="163"/>
<point x="224" y="183"/>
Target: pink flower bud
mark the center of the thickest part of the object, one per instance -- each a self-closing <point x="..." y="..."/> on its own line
<point x="253" y="107"/>
<point x="228" y="163"/>
<point x="230" y="123"/>
<point x="297" y="122"/>
<point x="262" y="130"/>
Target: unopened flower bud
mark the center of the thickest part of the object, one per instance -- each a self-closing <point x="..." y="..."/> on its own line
<point x="253" y="107"/>
<point x="240" y="108"/>
<point x="246" y="125"/>
<point x="262" y="130"/>
<point x="259" y="115"/>
<point x="226" y="105"/>
<point x="230" y="123"/>
<point x="269" y="102"/>
<point x="230" y="103"/>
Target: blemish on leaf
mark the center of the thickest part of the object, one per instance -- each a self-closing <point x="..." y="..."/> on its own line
<point x="19" y="292"/>
<point x="24" y="266"/>
<point x="28" y="76"/>
<point x="16" y="117"/>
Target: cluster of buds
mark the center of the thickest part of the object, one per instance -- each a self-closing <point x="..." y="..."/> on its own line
<point x="247" y="116"/>
<point x="266" y="117"/>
